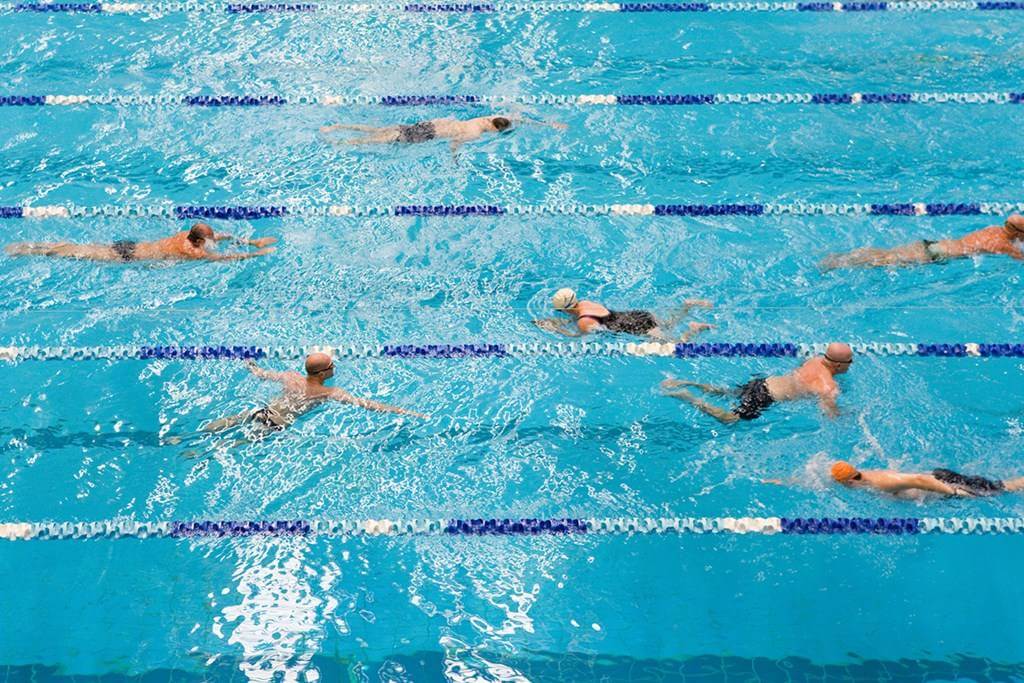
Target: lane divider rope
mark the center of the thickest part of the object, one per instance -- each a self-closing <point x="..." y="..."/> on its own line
<point x="157" y="8"/>
<point x="513" y="527"/>
<point x="682" y="99"/>
<point x="257" y="212"/>
<point x="514" y="350"/>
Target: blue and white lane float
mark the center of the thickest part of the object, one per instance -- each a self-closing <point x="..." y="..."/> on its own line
<point x="513" y="350"/>
<point x="302" y="210"/>
<point x="418" y="100"/>
<point x="157" y="8"/>
<point x="890" y="526"/>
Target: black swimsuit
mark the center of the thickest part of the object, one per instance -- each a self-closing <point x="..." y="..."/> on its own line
<point x="934" y="255"/>
<point x="628" y="322"/>
<point x="976" y="486"/>
<point x="266" y="418"/>
<point x="754" y="398"/>
<point x="417" y="132"/>
<point x="125" y="249"/>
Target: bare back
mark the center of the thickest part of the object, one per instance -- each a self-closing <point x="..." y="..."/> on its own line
<point x="461" y="130"/>
<point x="903" y="484"/>
<point x="991" y="240"/>
<point x="174" y="247"/>
<point x="810" y="379"/>
<point x="298" y="396"/>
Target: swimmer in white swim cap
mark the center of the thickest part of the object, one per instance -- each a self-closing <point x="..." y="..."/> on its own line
<point x="593" y="317"/>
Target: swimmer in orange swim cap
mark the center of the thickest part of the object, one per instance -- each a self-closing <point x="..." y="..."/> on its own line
<point x="917" y="485"/>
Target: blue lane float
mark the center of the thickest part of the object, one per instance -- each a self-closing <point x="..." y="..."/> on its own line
<point x="445" y="351"/>
<point x="440" y="210"/>
<point x="233" y="213"/>
<point x="200" y="353"/>
<point x="597" y="349"/>
<point x="470" y="9"/>
<point x="498" y="100"/>
<point x="510" y="526"/>
<point x="260" y="211"/>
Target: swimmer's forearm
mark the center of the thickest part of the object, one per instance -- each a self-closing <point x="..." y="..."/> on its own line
<point x="382" y="407"/>
<point x="222" y="236"/>
<point x="926" y="482"/>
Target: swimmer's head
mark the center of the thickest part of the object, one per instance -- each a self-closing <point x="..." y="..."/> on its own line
<point x="564" y="299"/>
<point x="501" y="124"/>
<point x="844" y="473"/>
<point x="320" y="365"/>
<point x="199" y="233"/>
<point x="1015" y="226"/>
<point x="838" y="357"/>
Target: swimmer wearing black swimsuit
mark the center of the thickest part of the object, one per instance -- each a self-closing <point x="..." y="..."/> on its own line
<point x="423" y="131"/>
<point x="267" y="418"/>
<point x="125" y="249"/>
<point x="935" y="255"/>
<point x="976" y="486"/>
<point x="754" y="398"/>
<point x="627" y="322"/>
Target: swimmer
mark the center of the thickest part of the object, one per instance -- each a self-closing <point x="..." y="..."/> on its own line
<point x="593" y="317"/>
<point x="301" y="393"/>
<point x="995" y="239"/>
<point x="451" y="129"/>
<point x="814" y="379"/>
<point x="190" y="245"/>
<point x="918" y="485"/>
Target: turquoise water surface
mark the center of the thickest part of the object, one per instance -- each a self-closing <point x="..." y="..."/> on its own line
<point x="533" y="437"/>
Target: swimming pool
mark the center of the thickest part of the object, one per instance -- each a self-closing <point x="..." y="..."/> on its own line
<point x="518" y="435"/>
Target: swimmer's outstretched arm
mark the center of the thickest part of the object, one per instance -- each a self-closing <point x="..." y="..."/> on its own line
<point x="558" y="326"/>
<point x="349" y="126"/>
<point x="343" y="396"/>
<point x="829" y="406"/>
<point x="265" y="374"/>
<point x="239" y="257"/>
<point x="523" y="121"/>
<point x="258" y="242"/>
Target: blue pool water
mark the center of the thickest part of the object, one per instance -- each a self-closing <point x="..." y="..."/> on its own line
<point x="518" y="437"/>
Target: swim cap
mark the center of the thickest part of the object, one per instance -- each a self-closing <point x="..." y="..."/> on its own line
<point x="564" y="299"/>
<point x="318" y="362"/>
<point x="843" y="471"/>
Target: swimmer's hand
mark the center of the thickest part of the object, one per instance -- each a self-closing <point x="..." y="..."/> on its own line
<point x="560" y="126"/>
<point x="777" y="482"/>
<point x="703" y="303"/>
<point x="548" y="324"/>
<point x="265" y="251"/>
<point x="263" y="242"/>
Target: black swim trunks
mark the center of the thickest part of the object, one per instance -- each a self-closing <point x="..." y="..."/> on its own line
<point x="934" y="253"/>
<point x="976" y="486"/>
<point x="125" y="249"/>
<point x="627" y="322"/>
<point x="754" y="398"/>
<point x="267" y="418"/>
<point x="417" y="132"/>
